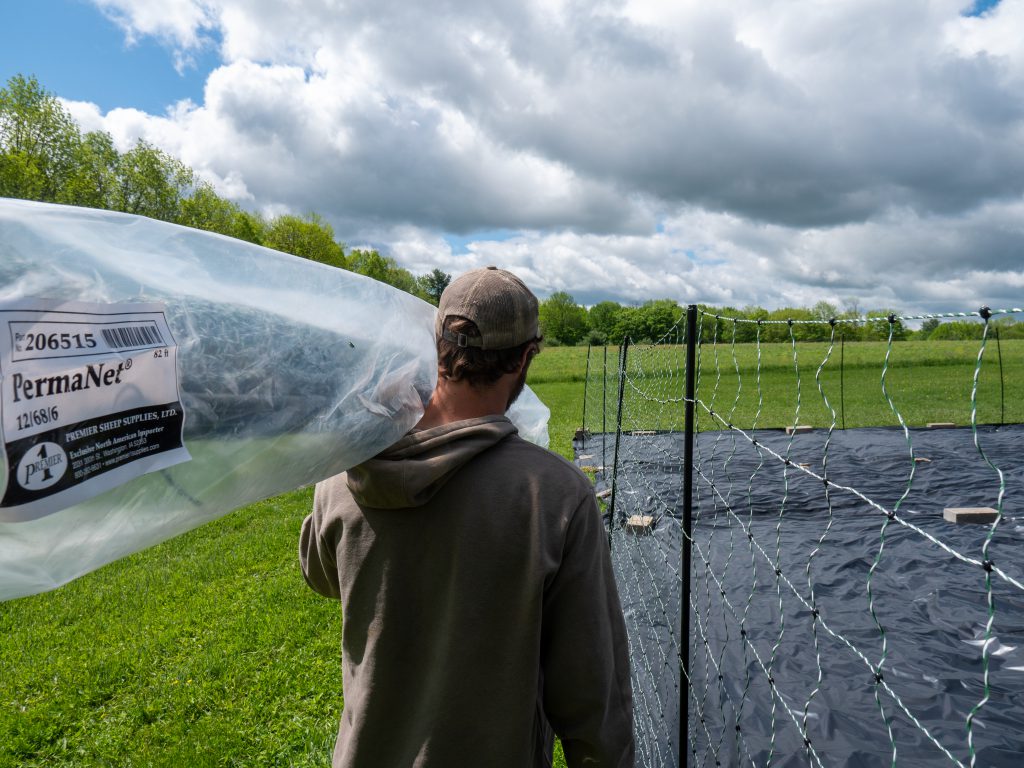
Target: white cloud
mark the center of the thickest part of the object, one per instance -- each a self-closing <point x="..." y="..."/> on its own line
<point x="181" y="21"/>
<point x="904" y="261"/>
<point x="788" y="151"/>
<point x="996" y="33"/>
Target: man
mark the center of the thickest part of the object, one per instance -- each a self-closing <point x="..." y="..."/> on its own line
<point x="479" y="610"/>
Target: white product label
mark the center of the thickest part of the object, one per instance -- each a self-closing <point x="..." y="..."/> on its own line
<point x="89" y="401"/>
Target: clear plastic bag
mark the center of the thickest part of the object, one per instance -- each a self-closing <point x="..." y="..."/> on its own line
<point x="531" y="417"/>
<point x="288" y="371"/>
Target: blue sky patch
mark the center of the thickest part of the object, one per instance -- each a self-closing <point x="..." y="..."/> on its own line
<point x="980" y="6"/>
<point x="459" y="243"/>
<point x="79" y="54"/>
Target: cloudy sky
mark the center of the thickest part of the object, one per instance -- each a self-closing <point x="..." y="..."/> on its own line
<point x="775" y="152"/>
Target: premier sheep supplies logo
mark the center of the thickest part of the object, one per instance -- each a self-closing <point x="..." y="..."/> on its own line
<point x="42" y="466"/>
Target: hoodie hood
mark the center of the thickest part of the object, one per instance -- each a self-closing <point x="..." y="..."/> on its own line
<point x="411" y="471"/>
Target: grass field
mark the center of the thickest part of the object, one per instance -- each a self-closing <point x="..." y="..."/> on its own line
<point x="927" y="381"/>
<point x="209" y="650"/>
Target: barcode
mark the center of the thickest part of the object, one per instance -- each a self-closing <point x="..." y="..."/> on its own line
<point x="132" y="336"/>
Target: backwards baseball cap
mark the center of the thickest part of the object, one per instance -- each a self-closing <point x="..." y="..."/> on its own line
<point x="499" y="303"/>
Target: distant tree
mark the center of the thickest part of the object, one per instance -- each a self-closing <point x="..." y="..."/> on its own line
<point x="877" y="329"/>
<point x="1008" y="328"/>
<point x="93" y="178"/>
<point x="370" y="263"/>
<point x="661" y="319"/>
<point x="957" y="330"/>
<point x="310" y="237"/>
<point x="802" y="331"/>
<point x="629" y="322"/>
<point x="562" y="320"/>
<point x="927" y="327"/>
<point x="743" y="331"/>
<point x="251" y="227"/>
<point x="823" y="310"/>
<point x="433" y="284"/>
<point x="748" y="332"/>
<point x="851" y="307"/>
<point x="151" y="183"/>
<point x="38" y="141"/>
<point x="205" y="209"/>
<point x="602" y="317"/>
<point x="710" y="327"/>
<point x="754" y="312"/>
<point x="403" y="279"/>
<point x="385" y="269"/>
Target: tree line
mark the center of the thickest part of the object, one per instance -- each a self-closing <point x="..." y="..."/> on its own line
<point x="45" y="156"/>
<point x="564" y="322"/>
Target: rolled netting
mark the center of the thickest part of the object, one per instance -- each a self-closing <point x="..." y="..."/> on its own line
<point x="835" y="617"/>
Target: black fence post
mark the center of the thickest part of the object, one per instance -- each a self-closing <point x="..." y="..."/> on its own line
<point x="687" y="530"/>
<point x="623" y="351"/>
<point x="1002" y="389"/>
<point x="842" y="368"/>
<point x="604" y="415"/>
<point x="586" y="388"/>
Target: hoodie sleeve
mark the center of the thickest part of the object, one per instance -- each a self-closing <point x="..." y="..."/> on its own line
<point x="318" y="545"/>
<point x="584" y="652"/>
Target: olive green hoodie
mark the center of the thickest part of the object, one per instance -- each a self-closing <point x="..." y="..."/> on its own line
<point x="478" y="605"/>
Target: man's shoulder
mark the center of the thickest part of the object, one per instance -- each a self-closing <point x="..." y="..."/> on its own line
<point x="544" y="462"/>
<point x="332" y="483"/>
<point x="333" y="490"/>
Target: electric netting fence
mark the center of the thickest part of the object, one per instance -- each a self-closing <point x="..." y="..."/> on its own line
<point x="793" y="591"/>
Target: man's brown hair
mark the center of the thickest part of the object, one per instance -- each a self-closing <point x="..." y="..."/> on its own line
<point x="479" y="367"/>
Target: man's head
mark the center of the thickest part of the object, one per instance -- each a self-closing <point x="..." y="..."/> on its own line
<point x="487" y="326"/>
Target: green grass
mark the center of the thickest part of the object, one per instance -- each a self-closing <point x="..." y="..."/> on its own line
<point x="205" y="650"/>
<point x="210" y="650"/>
<point x="927" y="382"/>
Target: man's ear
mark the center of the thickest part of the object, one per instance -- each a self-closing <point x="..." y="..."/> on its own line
<point x="528" y="354"/>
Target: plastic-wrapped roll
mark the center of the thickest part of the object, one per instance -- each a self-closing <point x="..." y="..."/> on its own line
<point x="155" y="377"/>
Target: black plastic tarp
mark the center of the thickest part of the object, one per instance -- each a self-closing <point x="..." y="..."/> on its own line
<point x="930" y="606"/>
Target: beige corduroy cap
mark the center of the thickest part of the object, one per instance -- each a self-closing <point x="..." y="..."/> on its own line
<point x="499" y="303"/>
